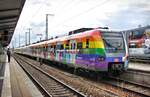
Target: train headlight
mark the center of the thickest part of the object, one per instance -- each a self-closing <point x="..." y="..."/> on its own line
<point x="101" y="58"/>
<point x="125" y="58"/>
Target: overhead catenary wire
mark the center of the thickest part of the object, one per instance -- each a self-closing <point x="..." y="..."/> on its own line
<point x="41" y="6"/>
<point x="77" y="15"/>
<point x="69" y="2"/>
<point x="65" y="6"/>
<point x="36" y="12"/>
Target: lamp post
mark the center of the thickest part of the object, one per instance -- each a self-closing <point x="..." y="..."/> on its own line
<point x="46" y="32"/>
<point x="29" y="34"/>
<point x="26" y="38"/>
<point x="19" y="39"/>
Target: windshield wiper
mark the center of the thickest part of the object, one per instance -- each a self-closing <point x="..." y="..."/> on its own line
<point x="110" y="45"/>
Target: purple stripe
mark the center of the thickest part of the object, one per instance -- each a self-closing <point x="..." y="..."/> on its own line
<point x="85" y="63"/>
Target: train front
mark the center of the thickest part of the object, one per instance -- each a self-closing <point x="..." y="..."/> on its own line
<point x="116" y="51"/>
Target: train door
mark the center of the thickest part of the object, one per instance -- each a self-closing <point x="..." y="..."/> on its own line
<point x="72" y="51"/>
<point x="39" y="51"/>
<point x="42" y="51"/>
<point x="59" y="48"/>
<point x="45" y="51"/>
<point x="57" y="51"/>
<point x="48" y="51"/>
<point x="67" y="54"/>
<point x="52" y="52"/>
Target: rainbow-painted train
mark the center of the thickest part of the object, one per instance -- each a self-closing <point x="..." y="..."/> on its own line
<point x="91" y="49"/>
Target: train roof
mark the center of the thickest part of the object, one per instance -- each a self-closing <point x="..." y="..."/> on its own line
<point x="140" y="28"/>
<point x="86" y="32"/>
<point x="85" y="29"/>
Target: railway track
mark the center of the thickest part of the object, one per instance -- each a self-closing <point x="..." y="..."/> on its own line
<point x="136" y="76"/>
<point x="130" y="86"/>
<point x="126" y="85"/>
<point x="101" y="91"/>
<point x="133" y="80"/>
<point x="50" y="86"/>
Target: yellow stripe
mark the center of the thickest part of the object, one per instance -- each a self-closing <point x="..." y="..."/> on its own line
<point x="94" y="44"/>
<point x="99" y="44"/>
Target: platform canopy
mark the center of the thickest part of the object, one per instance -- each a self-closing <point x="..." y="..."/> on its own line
<point x="10" y="11"/>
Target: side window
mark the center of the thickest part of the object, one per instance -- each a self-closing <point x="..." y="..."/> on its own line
<point x="87" y="43"/>
<point x="61" y="46"/>
<point x="67" y="45"/>
<point x="73" y="45"/>
<point x="54" y="47"/>
<point x="49" y="47"/>
<point x="132" y="46"/>
<point x="42" y="48"/>
<point x="46" y="48"/>
<point x="58" y="47"/>
<point x="79" y="45"/>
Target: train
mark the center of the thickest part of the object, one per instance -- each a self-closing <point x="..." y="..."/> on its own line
<point x="95" y="49"/>
<point x="139" y="42"/>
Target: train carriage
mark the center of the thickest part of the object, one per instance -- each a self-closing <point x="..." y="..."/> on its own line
<point x="139" y="42"/>
<point x="95" y="49"/>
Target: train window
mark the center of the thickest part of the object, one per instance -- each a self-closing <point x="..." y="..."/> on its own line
<point x="79" y="45"/>
<point x="73" y="45"/>
<point x="132" y="46"/>
<point x="61" y="46"/>
<point x="51" y="46"/>
<point x="87" y="43"/>
<point x="46" y="48"/>
<point x="40" y="49"/>
<point x="67" y="46"/>
<point x="54" y="46"/>
<point x="58" y="46"/>
<point x="43" y="48"/>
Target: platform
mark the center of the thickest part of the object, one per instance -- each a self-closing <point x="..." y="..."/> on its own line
<point x="140" y="66"/>
<point x="16" y="83"/>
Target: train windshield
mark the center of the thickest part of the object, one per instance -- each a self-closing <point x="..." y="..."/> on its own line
<point x="113" y="42"/>
<point x="137" y="34"/>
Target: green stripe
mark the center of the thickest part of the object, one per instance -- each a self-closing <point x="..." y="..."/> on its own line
<point x="98" y="51"/>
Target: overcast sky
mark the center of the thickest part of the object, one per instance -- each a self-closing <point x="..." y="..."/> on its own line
<point x="74" y="14"/>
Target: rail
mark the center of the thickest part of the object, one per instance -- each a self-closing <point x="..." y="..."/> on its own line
<point x="57" y="89"/>
<point x="137" y="88"/>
